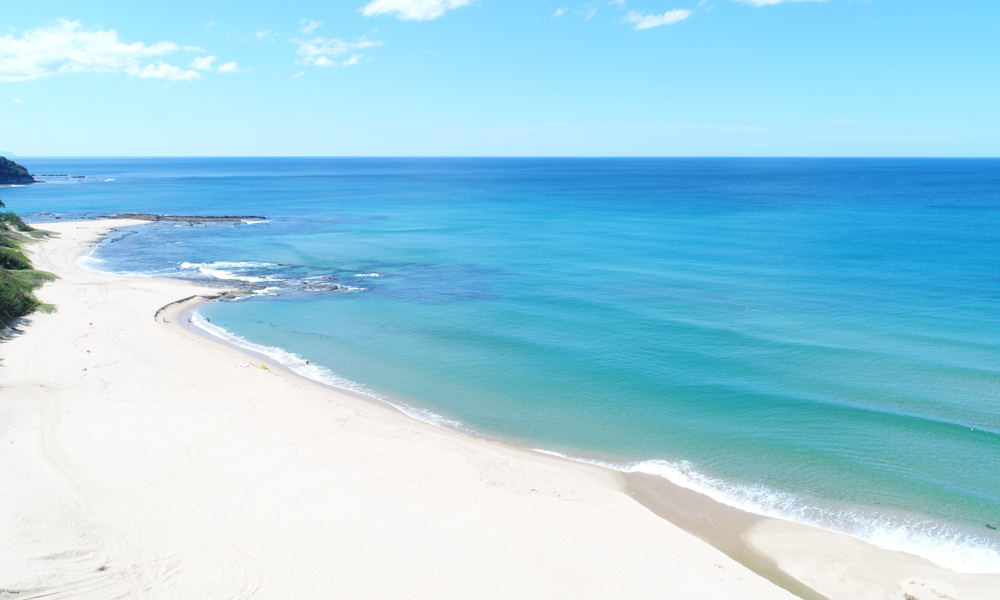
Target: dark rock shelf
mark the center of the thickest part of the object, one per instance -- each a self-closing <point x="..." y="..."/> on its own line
<point x="186" y="218"/>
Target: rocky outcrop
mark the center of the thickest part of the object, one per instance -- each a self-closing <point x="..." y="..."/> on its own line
<point x="11" y="172"/>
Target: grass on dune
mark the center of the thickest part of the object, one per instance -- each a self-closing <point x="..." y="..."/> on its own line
<point x="18" y="279"/>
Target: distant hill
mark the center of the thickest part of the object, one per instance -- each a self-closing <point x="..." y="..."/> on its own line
<point x="11" y="172"/>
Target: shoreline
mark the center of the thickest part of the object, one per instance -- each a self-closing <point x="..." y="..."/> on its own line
<point x="713" y="522"/>
<point x="779" y="550"/>
<point x="834" y="564"/>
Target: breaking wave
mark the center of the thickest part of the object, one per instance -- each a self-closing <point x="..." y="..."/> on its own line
<point x="943" y="544"/>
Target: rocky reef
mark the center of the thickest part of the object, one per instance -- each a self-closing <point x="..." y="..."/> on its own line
<point x="191" y="219"/>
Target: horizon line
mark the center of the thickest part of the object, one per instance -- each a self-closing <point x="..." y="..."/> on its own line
<point x="513" y="156"/>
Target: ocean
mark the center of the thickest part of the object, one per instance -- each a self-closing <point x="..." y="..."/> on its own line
<point x="814" y="339"/>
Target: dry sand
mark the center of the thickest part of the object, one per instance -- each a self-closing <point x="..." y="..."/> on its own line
<point x="155" y="466"/>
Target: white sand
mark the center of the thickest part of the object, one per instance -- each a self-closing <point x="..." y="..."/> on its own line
<point x="164" y="470"/>
<point x="167" y="471"/>
<point x="840" y="566"/>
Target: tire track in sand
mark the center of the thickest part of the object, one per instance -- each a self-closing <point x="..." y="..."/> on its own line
<point x="135" y="565"/>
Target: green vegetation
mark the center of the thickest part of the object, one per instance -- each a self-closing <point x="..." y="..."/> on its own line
<point x="17" y="278"/>
<point x="11" y="172"/>
<point x="14" y="221"/>
<point x="13" y="260"/>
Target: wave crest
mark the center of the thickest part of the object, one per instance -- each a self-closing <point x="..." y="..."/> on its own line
<point x="225" y="270"/>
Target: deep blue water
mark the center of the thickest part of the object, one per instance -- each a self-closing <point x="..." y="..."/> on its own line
<point x="812" y="338"/>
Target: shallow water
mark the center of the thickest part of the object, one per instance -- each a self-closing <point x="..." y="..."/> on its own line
<point x="814" y="339"/>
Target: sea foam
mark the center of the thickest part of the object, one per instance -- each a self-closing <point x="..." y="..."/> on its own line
<point x="225" y="270"/>
<point x="943" y="544"/>
<point x="940" y="543"/>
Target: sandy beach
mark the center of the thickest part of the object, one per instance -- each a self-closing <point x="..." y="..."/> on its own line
<point x="144" y="460"/>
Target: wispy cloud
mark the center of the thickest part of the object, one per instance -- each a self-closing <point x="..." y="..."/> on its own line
<point x="772" y="2"/>
<point x="265" y="33"/>
<point x="644" y="21"/>
<point x="559" y="12"/>
<point x="17" y="101"/>
<point x="159" y="70"/>
<point x="322" y="52"/>
<point x="68" y="48"/>
<point x="297" y="75"/>
<point x="308" y="25"/>
<point x="412" y="10"/>
<point x="202" y="63"/>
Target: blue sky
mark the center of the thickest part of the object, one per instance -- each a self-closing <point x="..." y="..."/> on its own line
<point x="501" y="77"/>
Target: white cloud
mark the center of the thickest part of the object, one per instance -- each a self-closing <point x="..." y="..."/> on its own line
<point x="307" y="26"/>
<point x="67" y="48"/>
<point x="202" y="63"/>
<point x="17" y="100"/>
<point x="299" y="74"/>
<point x="162" y="71"/>
<point x="772" y="2"/>
<point x="318" y="51"/>
<point x="559" y="12"/>
<point x="412" y="10"/>
<point x="354" y="60"/>
<point x="265" y="33"/>
<point x="643" y="21"/>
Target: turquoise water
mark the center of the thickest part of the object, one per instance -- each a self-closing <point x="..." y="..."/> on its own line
<point x="814" y="339"/>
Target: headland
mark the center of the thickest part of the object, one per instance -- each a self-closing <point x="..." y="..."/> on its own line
<point x="12" y="173"/>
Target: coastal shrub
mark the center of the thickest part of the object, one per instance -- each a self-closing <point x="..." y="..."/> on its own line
<point x="17" y="278"/>
<point x="32" y="278"/>
<point x="16" y="299"/>
<point x="15" y="221"/>
<point x="11" y="259"/>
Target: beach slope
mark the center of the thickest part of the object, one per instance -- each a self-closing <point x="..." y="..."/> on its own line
<point x="142" y="461"/>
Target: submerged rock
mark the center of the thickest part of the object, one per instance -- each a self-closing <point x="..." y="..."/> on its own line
<point x="190" y="219"/>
